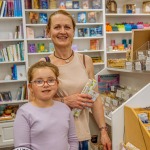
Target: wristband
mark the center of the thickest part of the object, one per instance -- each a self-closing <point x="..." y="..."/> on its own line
<point x="103" y="128"/>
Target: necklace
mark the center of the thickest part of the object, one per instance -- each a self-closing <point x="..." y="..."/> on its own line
<point x="66" y="59"/>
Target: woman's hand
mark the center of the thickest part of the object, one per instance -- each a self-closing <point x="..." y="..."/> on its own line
<point x="79" y="101"/>
<point x="105" y="140"/>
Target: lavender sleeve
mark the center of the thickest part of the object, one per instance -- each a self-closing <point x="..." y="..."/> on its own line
<point x="21" y="130"/>
<point x="72" y="138"/>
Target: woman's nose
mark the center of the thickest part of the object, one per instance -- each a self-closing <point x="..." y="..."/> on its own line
<point x="62" y="30"/>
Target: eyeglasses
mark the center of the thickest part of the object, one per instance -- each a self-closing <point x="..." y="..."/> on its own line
<point x="42" y="82"/>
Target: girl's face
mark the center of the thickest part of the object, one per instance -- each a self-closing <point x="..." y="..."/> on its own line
<point x="43" y="92"/>
<point x="61" y="31"/>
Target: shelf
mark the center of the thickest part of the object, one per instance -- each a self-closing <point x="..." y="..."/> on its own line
<point x="12" y="62"/>
<point x="108" y="120"/>
<point x="76" y="38"/>
<point x="97" y="64"/>
<point x="11" y="18"/>
<point x="126" y="15"/>
<point x="11" y="40"/>
<point x="130" y="71"/>
<point x="77" y="24"/>
<point x="14" y="102"/>
<point x="12" y="81"/>
<point x="119" y="32"/>
<point x="116" y="52"/>
<point x="43" y="53"/>
<point x="90" y="51"/>
<point x="69" y="10"/>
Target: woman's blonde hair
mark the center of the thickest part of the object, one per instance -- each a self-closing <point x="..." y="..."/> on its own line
<point x="63" y="12"/>
<point x="42" y="64"/>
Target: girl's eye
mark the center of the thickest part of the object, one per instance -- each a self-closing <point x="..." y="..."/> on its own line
<point x="39" y="81"/>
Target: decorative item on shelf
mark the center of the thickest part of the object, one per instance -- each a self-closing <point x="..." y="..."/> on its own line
<point x="130" y="8"/>
<point x="111" y="5"/>
<point x="33" y="17"/>
<point x="108" y="27"/>
<point x="146" y="7"/>
<point x="31" y="48"/>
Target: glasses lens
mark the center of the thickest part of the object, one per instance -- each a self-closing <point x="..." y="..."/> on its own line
<point x="51" y="81"/>
<point x="39" y="82"/>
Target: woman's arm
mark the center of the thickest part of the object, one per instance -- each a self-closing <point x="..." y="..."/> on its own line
<point x="72" y="137"/>
<point x="97" y="109"/>
<point x="21" y="130"/>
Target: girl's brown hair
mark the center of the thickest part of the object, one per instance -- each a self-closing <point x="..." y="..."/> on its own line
<point x="63" y="12"/>
<point x="42" y="64"/>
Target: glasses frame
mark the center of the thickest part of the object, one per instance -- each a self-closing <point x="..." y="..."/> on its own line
<point x="50" y="84"/>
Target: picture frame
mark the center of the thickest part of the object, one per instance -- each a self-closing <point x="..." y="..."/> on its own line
<point x="130" y="8"/>
<point x="146" y="7"/>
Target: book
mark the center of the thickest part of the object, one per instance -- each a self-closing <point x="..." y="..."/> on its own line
<point x="2" y="8"/>
<point x="36" y="4"/>
<point x="92" y="32"/>
<point x="33" y="17"/>
<point x="61" y="4"/>
<point x="6" y="96"/>
<point x="28" y="4"/>
<point x="75" y="5"/>
<point x="21" y="72"/>
<point x="82" y="17"/>
<point x="99" y="31"/>
<point x="106" y="81"/>
<point x="96" y="4"/>
<point x="81" y="32"/>
<point x="43" y="4"/>
<point x="68" y="4"/>
<point x="94" y="44"/>
<point x="85" y="4"/>
<point x="86" y="32"/>
<point x="92" y="17"/>
<point x="52" y="4"/>
<point x="43" y="18"/>
<point x="30" y="32"/>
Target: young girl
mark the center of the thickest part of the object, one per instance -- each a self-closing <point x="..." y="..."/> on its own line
<point x="44" y="124"/>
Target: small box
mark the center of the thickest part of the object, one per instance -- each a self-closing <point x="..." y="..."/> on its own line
<point x="130" y="8"/>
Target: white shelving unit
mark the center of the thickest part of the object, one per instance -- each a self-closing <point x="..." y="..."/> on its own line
<point x="80" y="41"/>
<point x="121" y="17"/>
<point x="140" y="83"/>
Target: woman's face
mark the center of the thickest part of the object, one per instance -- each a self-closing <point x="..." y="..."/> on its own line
<point x="45" y="92"/>
<point x="61" y="31"/>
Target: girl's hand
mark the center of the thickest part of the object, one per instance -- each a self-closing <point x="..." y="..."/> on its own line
<point x="79" y="101"/>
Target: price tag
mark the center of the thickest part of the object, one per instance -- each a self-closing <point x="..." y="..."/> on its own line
<point x="138" y="66"/>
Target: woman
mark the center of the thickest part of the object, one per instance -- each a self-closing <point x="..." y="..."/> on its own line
<point x="40" y="121"/>
<point x="75" y="70"/>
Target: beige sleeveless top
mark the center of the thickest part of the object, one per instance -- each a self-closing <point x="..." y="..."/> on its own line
<point x="73" y="77"/>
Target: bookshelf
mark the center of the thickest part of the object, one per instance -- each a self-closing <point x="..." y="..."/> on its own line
<point x="12" y="50"/>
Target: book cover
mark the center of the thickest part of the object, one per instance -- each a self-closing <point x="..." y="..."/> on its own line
<point x="9" y="53"/>
<point x="28" y="4"/>
<point x="94" y="44"/>
<point x="5" y="53"/>
<point x="61" y="4"/>
<point x="85" y="4"/>
<point x="6" y="96"/>
<point x="68" y="4"/>
<point x="92" y="32"/>
<point x="75" y="5"/>
<point x="30" y="33"/>
<point x="43" y="4"/>
<point x="81" y="32"/>
<point x="36" y="4"/>
<point x="106" y="81"/>
<point x="96" y="4"/>
<point x="21" y="72"/>
<point x="52" y="4"/>
<point x="92" y="17"/>
<point x="82" y="17"/>
<point x="33" y="17"/>
<point x="86" y="32"/>
<point x="98" y="31"/>
<point x="43" y="18"/>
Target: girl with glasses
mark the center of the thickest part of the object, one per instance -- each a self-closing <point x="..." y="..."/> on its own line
<point x="44" y="124"/>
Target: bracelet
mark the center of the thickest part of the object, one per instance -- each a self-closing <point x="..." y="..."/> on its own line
<point x="103" y="128"/>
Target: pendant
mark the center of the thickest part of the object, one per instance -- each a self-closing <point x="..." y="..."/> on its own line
<point x="67" y="60"/>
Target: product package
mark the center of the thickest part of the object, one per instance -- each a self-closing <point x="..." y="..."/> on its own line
<point x="88" y="89"/>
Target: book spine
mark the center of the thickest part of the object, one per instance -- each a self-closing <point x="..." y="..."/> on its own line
<point x="21" y="45"/>
<point x="2" y="9"/>
<point x="9" y="8"/>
